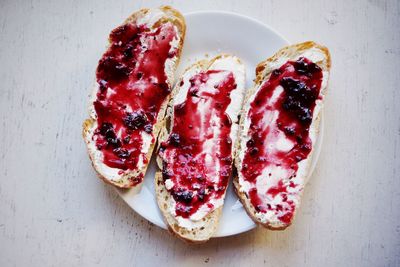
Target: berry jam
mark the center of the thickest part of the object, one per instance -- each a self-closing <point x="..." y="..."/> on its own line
<point x="132" y="87"/>
<point x="197" y="156"/>
<point x="280" y="117"/>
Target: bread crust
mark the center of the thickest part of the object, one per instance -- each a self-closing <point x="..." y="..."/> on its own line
<point x="196" y="235"/>
<point x="263" y="71"/>
<point x="176" y="18"/>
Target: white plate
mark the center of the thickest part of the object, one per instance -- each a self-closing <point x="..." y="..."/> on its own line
<point x="208" y="34"/>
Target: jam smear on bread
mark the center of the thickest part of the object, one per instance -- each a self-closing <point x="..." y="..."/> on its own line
<point x="197" y="161"/>
<point x="280" y="116"/>
<point x="132" y="87"/>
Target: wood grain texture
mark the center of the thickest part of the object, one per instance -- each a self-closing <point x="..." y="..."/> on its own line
<point x="54" y="211"/>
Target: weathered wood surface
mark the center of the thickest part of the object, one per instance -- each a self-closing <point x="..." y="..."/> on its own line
<point x="53" y="211"/>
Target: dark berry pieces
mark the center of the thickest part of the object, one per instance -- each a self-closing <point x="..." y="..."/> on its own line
<point x="298" y="90"/>
<point x="225" y="172"/>
<point x="299" y="139"/>
<point x="171" y="54"/>
<point x="221" y="188"/>
<point x="227" y="159"/>
<point x="135" y="120"/>
<point x="276" y="72"/>
<point x="126" y="33"/>
<point x="174" y="139"/>
<point x="304" y="68"/>
<point x="113" y="141"/>
<point x="118" y="33"/>
<point x="305" y="115"/>
<point x="306" y="146"/>
<point x="148" y="128"/>
<point x="259" y="208"/>
<point x="121" y="152"/>
<point x="245" y="166"/>
<point x="288" y="82"/>
<point x="298" y="99"/>
<point x="166" y="173"/>
<point x="164" y="87"/>
<point x="253" y="151"/>
<point x="200" y="178"/>
<point x="139" y="75"/>
<point x="181" y="208"/>
<point x="301" y="66"/>
<point x="107" y="129"/>
<point x="298" y="158"/>
<point x="261" y="159"/>
<point x="289" y="130"/>
<point x="102" y="85"/>
<point x="111" y="70"/>
<point x="292" y="86"/>
<point x="218" y="106"/>
<point x="312" y="67"/>
<point x="227" y="121"/>
<point x="191" y="80"/>
<point x="291" y="103"/>
<point x="193" y="91"/>
<point x="162" y="147"/>
<point x="183" y="196"/>
<point x="180" y="107"/>
<point x="201" y="194"/>
<point x="127" y="139"/>
<point x="250" y="143"/>
<point x="128" y="51"/>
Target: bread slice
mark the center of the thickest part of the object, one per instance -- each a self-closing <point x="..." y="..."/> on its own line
<point x="272" y="218"/>
<point x="202" y="228"/>
<point x="128" y="178"/>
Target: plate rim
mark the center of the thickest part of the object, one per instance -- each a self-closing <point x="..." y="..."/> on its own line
<point x="224" y="12"/>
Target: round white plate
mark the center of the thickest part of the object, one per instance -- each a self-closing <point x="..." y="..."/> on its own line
<point x="210" y="33"/>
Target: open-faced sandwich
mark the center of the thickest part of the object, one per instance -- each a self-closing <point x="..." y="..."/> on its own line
<point x="278" y="129"/>
<point x="197" y="146"/>
<point x="134" y="81"/>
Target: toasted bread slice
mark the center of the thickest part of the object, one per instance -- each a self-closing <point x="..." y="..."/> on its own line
<point x="201" y="221"/>
<point x="120" y="150"/>
<point x="269" y="188"/>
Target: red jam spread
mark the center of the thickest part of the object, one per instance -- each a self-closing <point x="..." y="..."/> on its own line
<point x="274" y="115"/>
<point x="197" y="155"/>
<point x="132" y="86"/>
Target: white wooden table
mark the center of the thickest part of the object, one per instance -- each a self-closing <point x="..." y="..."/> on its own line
<point x="53" y="211"/>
